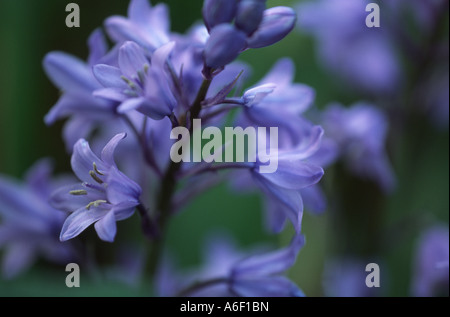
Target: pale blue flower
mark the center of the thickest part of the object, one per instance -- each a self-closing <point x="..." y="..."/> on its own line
<point x="105" y="196"/>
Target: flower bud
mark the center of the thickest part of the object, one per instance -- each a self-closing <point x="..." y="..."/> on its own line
<point x="224" y="45"/>
<point x="249" y="15"/>
<point x="276" y="24"/>
<point x="216" y="12"/>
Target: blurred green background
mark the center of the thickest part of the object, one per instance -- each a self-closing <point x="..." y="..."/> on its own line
<point x="30" y="29"/>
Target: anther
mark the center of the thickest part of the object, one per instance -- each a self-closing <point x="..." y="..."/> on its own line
<point x="95" y="204"/>
<point x="96" y="170"/>
<point x="80" y="192"/>
<point x="95" y="177"/>
<point x="128" y="82"/>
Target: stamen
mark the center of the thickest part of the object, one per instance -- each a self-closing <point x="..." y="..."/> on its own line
<point x="128" y="82"/>
<point x="95" y="204"/>
<point x="95" y="177"/>
<point x="141" y="76"/>
<point x="80" y="192"/>
<point x="146" y="68"/>
<point x="96" y="170"/>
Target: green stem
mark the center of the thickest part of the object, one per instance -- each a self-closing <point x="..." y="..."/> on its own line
<point x="168" y="188"/>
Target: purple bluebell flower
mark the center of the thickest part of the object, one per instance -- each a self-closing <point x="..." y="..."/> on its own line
<point x="363" y="57"/>
<point x="431" y="263"/>
<point x="216" y="12"/>
<point x="360" y="132"/>
<point x="250" y="15"/>
<point x="313" y="196"/>
<point x="278" y="102"/>
<point x="138" y="83"/>
<point x="283" y="188"/>
<point x="276" y="24"/>
<point x="75" y="79"/>
<point x="258" y="275"/>
<point x="230" y="272"/>
<point x="224" y="45"/>
<point x="29" y="226"/>
<point x="254" y="27"/>
<point x="146" y="25"/>
<point x="105" y="196"/>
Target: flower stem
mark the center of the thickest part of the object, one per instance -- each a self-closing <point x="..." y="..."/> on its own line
<point x="168" y="188"/>
<point x="142" y="139"/>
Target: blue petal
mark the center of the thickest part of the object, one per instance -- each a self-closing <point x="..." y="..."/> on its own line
<point x="277" y="286"/>
<point x="140" y="11"/>
<point x="224" y="45"/>
<point x="275" y="215"/>
<point x="79" y="103"/>
<point x="314" y="199"/>
<point x="124" y="210"/>
<point x="161" y="55"/>
<point x="216" y="12"/>
<point x="113" y="94"/>
<point x="108" y="151"/>
<point x="277" y="23"/>
<point x="294" y="174"/>
<point x="131" y="104"/>
<point x="69" y="73"/>
<point x="154" y="22"/>
<point x="97" y="47"/>
<point x="106" y="227"/>
<point x="257" y="94"/>
<point x="61" y="199"/>
<point x="83" y="159"/>
<point x="122" y="189"/>
<point x="131" y="60"/>
<point x="160" y="100"/>
<point x="310" y="143"/>
<point x="288" y="201"/>
<point x="249" y="15"/>
<point x="109" y="76"/>
<point x="121" y="30"/>
<point x="78" y="221"/>
<point x="270" y="263"/>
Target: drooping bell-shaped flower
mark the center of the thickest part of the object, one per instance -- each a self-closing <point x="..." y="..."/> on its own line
<point x="105" y="195"/>
<point x="138" y="83"/>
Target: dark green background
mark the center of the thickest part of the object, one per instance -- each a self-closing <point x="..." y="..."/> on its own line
<point x="30" y="29"/>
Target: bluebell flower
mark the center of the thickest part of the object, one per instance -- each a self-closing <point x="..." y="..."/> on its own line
<point x="313" y="196"/>
<point x="360" y="132"/>
<point x="431" y="265"/>
<point x="250" y="15"/>
<point x="29" y="226"/>
<point x="224" y="45"/>
<point x="254" y="27"/>
<point x="138" y="83"/>
<point x="146" y="25"/>
<point x="276" y="101"/>
<point x="283" y="188"/>
<point x="258" y="275"/>
<point x="77" y="83"/>
<point x="216" y="12"/>
<point x="363" y="57"/>
<point x="276" y="24"/>
<point x="105" y="196"/>
<point x="228" y="272"/>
